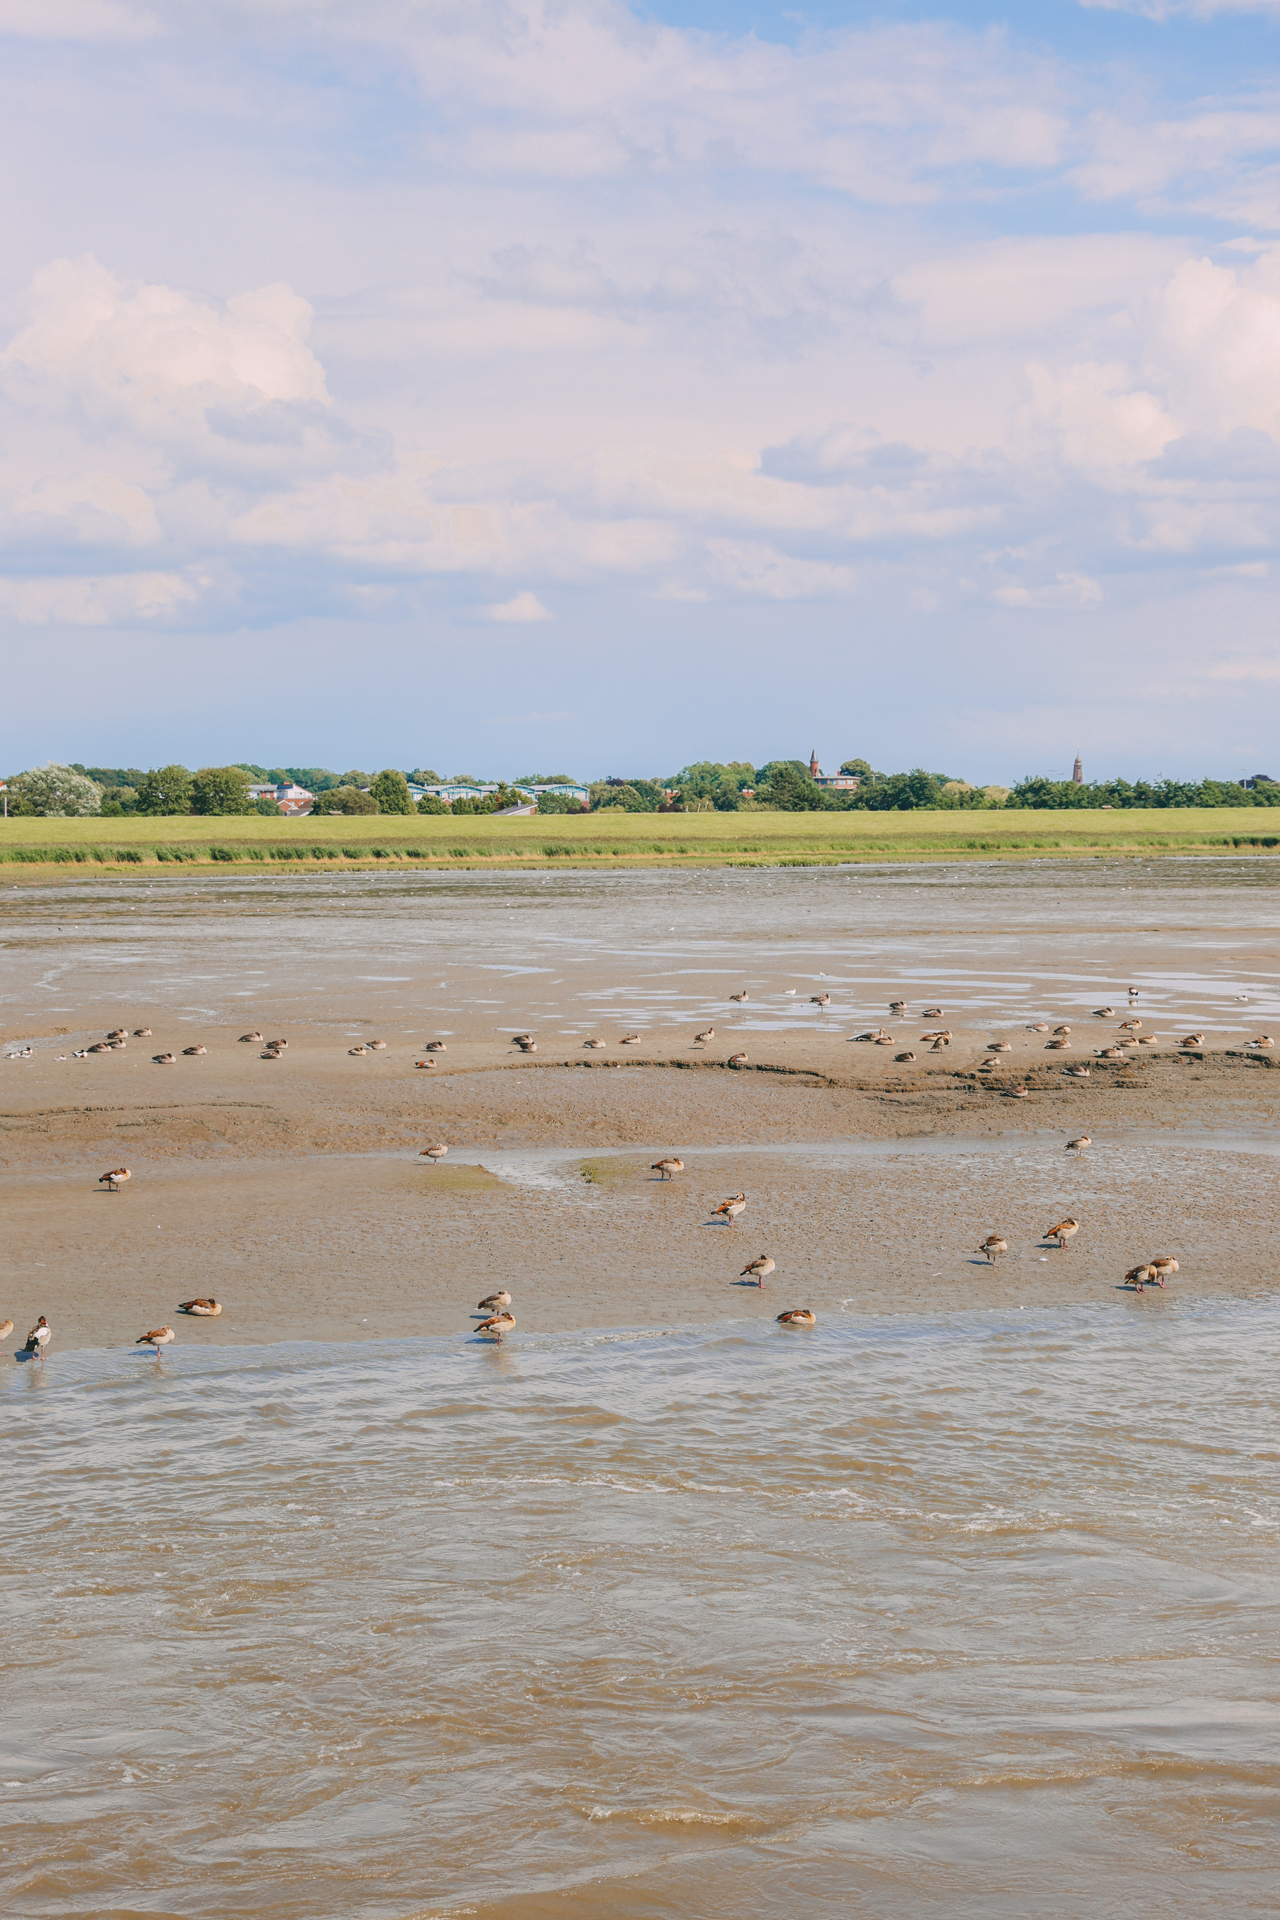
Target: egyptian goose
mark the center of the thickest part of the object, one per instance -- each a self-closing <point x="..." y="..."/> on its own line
<point x="595" y="1045"/>
<point x="251" y="1039"/>
<point x="931" y="1013"/>
<point x="701" y="1039"/>
<point x="142" y="1033"/>
<point x="993" y="1245"/>
<point x="1076" y="1073"/>
<point x="731" y="1208"/>
<point x="665" y="1168"/>
<point x="758" y="1270"/>
<point x="1193" y="1040"/>
<point x="629" y="1040"/>
<point x="165" y="1059"/>
<point x="904" y="1058"/>
<point x="157" y="1338"/>
<point x="1079" y="1144"/>
<point x="191" y="1052"/>
<point x="436" y="1046"/>
<point x="202" y="1308"/>
<point x="736" y="1060"/>
<point x="1063" y="1233"/>
<point x="1103" y="1013"/>
<point x="39" y="1337"/>
<point x="114" y="1180"/>
<point x="797" y="1317"/>
<point x="738" y="998"/>
<point x="819" y="999"/>
<point x="434" y="1153"/>
<point x="496" y="1325"/>
<point x="494" y="1302"/>
<point x="377" y="1046"/>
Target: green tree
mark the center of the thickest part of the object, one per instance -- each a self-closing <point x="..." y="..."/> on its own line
<point x="165" y="790"/>
<point x="344" y="800"/>
<point x="863" y="768"/>
<point x="560" y="803"/>
<point x="355" y="779"/>
<point x="55" y="792"/>
<point x="432" y="803"/>
<point x="788" y="786"/>
<point x="221" y="790"/>
<point x="266" y="807"/>
<point x="391" y="791"/>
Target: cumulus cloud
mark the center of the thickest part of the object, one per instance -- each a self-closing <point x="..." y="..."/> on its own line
<point x="93" y="602"/>
<point x="520" y="608"/>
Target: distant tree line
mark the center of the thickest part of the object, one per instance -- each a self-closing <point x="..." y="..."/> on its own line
<point x="724" y="786"/>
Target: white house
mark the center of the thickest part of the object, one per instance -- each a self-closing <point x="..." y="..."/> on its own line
<point x="289" y="798"/>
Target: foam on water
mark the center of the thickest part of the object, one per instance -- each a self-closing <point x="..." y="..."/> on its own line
<point x="950" y="1614"/>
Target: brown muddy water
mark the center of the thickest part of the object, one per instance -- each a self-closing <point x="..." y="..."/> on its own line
<point x="931" y="1612"/>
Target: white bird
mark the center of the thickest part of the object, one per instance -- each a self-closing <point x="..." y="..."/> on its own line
<point x="434" y="1153"/>
<point x="157" y="1338"/>
<point x="758" y="1270"/>
<point x="665" y="1168"/>
<point x="39" y="1337"/>
<point x="731" y="1208"/>
<point x="797" y="1317"/>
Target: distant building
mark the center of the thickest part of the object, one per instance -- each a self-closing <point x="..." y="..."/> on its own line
<point x="833" y="782"/>
<point x="289" y="799"/>
<point x="1077" y="772"/>
<point x="451" y="790"/>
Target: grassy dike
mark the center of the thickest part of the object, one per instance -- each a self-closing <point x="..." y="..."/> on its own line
<point x="57" y="848"/>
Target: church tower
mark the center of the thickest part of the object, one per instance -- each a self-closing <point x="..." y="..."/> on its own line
<point x="1077" y="773"/>
<point x="814" y="768"/>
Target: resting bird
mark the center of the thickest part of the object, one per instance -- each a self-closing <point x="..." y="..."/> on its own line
<point x="993" y="1245"/>
<point x="736" y="1060"/>
<point x="206" y="1309"/>
<point x="39" y="1337"/>
<point x="731" y="1208"/>
<point x="758" y="1270"/>
<point x="157" y="1338"/>
<point x="1063" y="1233"/>
<point x="797" y="1317"/>
<point x="492" y="1302"/>
<point x="434" y="1153"/>
<point x="1079" y="1144"/>
<point x="496" y="1326"/>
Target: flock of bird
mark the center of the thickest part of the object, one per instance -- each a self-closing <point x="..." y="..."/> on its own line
<point x="499" y="1320"/>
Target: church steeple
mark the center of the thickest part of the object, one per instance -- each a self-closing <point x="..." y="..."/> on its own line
<point x="1077" y="773"/>
<point x="814" y="768"/>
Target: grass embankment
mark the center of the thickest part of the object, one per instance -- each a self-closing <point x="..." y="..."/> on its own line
<point x="614" y="839"/>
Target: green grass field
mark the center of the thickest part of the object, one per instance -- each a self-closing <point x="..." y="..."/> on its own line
<point x="615" y="839"/>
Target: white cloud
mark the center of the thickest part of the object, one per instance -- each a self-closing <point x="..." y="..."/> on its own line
<point x="76" y="601"/>
<point x="1072" y="592"/>
<point x="522" y="607"/>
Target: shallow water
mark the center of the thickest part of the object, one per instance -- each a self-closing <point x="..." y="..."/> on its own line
<point x="494" y="952"/>
<point x="955" y="1615"/>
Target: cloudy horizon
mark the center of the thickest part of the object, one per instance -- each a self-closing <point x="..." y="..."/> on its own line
<point x="563" y="382"/>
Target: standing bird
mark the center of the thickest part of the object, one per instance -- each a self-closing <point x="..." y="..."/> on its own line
<point x="202" y="1308"/>
<point x="797" y="1317"/>
<point x="1163" y="1265"/>
<point x="114" y="1180"/>
<point x="758" y="1270"/>
<point x="494" y="1302"/>
<point x="527" y="1046"/>
<point x="1137" y="1278"/>
<point x="731" y="1208"/>
<point x="496" y="1325"/>
<point x="665" y="1168"/>
<point x="994" y="1245"/>
<point x="701" y="1039"/>
<point x="157" y="1338"/>
<point x="1079" y="1144"/>
<point x="819" y="999"/>
<point x="740" y="997"/>
<point x="434" y="1153"/>
<point x="39" y="1337"/>
<point x="1063" y="1233"/>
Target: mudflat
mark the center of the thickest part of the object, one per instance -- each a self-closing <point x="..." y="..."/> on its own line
<point x="293" y="1190"/>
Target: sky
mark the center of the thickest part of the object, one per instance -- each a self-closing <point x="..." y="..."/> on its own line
<point x="572" y="386"/>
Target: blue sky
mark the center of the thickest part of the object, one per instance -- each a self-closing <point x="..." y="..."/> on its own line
<point x="506" y="384"/>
